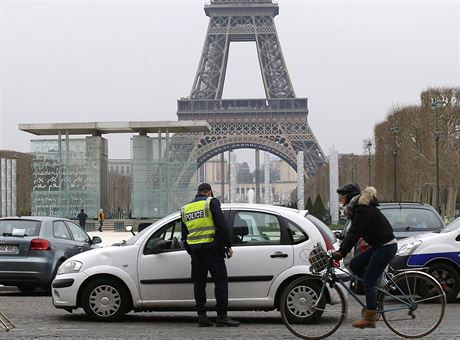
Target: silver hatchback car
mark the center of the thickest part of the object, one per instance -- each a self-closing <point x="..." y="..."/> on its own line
<point x="32" y="249"/>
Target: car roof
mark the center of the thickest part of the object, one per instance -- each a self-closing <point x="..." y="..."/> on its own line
<point x="405" y="204"/>
<point x="33" y="218"/>
<point x="258" y="206"/>
<point x="272" y="208"/>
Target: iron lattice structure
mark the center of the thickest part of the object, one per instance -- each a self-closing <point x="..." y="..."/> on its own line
<point x="277" y="124"/>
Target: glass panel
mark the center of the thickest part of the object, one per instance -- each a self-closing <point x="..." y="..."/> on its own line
<point x="171" y="232"/>
<point x="412" y="219"/>
<point x="60" y="230"/>
<point x="296" y="233"/>
<point x="32" y="228"/>
<point x="164" y="174"/>
<point x="65" y="178"/>
<point x="253" y="228"/>
<point x="78" y="233"/>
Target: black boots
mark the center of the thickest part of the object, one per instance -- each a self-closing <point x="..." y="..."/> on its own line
<point x="223" y="321"/>
<point x="203" y="321"/>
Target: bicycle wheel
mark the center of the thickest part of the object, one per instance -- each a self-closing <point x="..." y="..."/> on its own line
<point x="303" y="318"/>
<point x="413" y="304"/>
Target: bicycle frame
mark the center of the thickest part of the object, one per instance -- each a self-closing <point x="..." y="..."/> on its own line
<point x="330" y="277"/>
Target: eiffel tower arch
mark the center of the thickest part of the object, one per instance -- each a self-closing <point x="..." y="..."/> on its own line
<point x="278" y="123"/>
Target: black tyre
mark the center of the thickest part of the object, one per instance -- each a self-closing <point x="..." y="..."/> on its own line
<point x="105" y="300"/>
<point x="407" y="310"/>
<point x="27" y="288"/>
<point x="449" y="279"/>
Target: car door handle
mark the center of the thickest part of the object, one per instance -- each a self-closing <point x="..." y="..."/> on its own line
<point x="278" y="254"/>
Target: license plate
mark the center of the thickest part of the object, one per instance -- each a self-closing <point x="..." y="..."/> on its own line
<point x="9" y="249"/>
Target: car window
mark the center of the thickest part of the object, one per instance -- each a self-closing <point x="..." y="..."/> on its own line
<point x="453" y="226"/>
<point x="171" y="232"/>
<point x="60" y="230"/>
<point x="254" y="228"/>
<point x="412" y="219"/>
<point x="32" y="228"/>
<point x="78" y="233"/>
<point x="297" y="235"/>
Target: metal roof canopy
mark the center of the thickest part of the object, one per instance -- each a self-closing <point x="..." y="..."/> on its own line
<point x="99" y="128"/>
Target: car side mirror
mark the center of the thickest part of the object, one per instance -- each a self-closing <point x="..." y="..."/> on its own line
<point x="130" y="229"/>
<point x="160" y="246"/>
<point x="96" y="240"/>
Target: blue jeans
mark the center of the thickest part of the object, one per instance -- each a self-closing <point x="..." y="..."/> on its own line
<point x="369" y="266"/>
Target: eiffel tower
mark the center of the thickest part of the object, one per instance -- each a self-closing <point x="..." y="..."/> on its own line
<point x="278" y="123"/>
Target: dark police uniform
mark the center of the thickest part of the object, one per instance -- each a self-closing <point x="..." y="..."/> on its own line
<point x="206" y="237"/>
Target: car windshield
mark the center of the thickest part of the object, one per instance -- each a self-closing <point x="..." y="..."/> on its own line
<point x="408" y="219"/>
<point x="31" y="228"/>
<point x="133" y="239"/>
<point x="453" y="226"/>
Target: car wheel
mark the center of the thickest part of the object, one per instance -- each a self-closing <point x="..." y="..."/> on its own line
<point x="298" y="297"/>
<point x="105" y="300"/>
<point x="25" y="288"/>
<point x="448" y="277"/>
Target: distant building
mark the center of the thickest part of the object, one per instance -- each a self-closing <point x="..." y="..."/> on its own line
<point x="15" y="183"/>
<point x="121" y="167"/>
<point x="283" y="180"/>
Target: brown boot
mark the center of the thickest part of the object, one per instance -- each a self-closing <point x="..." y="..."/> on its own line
<point x="368" y="321"/>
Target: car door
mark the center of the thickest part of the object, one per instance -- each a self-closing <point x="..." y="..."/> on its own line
<point x="166" y="275"/>
<point x="261" y="253"/>
<point x="63" y="241"/>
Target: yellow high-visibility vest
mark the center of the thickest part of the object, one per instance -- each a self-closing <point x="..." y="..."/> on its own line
<point x="198" y="220"/>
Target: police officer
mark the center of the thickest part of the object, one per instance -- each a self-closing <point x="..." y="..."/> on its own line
<point x="207" y="240"/>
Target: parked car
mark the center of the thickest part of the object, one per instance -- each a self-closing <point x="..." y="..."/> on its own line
<point x="151" y="271"/>
<point x="33" y="248"/>
<point x="406" y="218"/>
<point x="437" y="253"/>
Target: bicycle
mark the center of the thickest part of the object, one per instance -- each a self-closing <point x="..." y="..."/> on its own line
<point x="411" y="303"/>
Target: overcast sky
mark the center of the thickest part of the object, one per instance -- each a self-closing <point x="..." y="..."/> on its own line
<point x="120" y="60"/>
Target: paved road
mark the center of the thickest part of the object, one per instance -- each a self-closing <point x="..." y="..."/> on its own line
<point x="36" y="318"/>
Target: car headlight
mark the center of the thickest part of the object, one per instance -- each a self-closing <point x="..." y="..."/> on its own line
<point x="70" y="267"/>
<point x="408" y="248"/>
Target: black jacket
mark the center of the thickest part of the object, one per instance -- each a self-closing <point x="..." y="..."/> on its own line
<point x="222" y="237"/>
<point x="368" y="222"/>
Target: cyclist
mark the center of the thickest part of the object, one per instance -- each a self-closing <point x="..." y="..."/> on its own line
<point x="368" y="222"/>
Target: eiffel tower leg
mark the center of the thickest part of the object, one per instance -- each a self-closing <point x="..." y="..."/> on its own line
<point x="209" y="80"/>
<point x="274" y="71"/>
<point x="300" y="181"/>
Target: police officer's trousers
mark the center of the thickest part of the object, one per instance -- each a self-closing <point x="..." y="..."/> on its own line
<point x="204" y="260"/>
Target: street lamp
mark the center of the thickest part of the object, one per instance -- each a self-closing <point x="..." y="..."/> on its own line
<point x="394" y="130"/>
<point x="435" y="106"/>
<point x="368" y="146"/>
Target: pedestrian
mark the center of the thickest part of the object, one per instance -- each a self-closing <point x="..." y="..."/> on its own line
<point x="368" y="222"/>
<point x="207" y="240"/>
<point x="101" y="218"/>
<point x="82" y="219"/>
